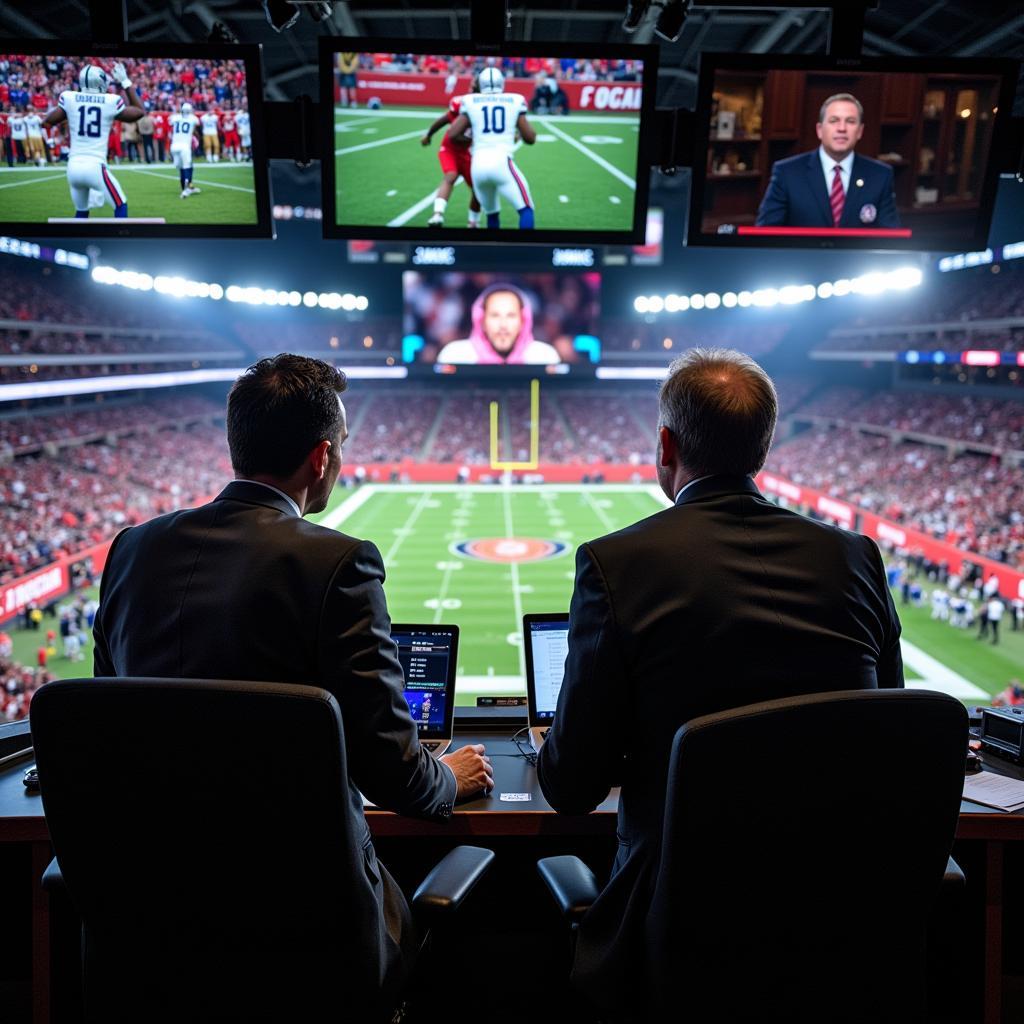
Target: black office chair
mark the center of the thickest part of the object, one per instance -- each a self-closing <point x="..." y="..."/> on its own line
<point x="204" y="833"/>
<point x="805" y="841"/>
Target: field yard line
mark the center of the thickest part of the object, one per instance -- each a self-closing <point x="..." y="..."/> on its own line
<point x="407" y="215"/>
<point x="407" y="525"/>
<point x="354" y="501"/>
<point x="446" y="580"/>
<point x="600" y="512"/>
<point x="352" y="124"/>
<point x="167" y="177"/>
<point x="599" y="160"/>
<point x="378" y="142"/>
<point x="516" y="596"/>
<point x="935" y="675"/>
<point x="35" y="181"/>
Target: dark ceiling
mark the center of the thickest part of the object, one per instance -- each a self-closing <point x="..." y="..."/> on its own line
<point x="896" y="27"/>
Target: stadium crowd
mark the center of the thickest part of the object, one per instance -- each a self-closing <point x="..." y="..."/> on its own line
<point x="973" y="501"/>
<point x="573" y="69"/>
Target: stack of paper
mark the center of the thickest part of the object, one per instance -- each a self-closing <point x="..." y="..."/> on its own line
<point x="994" y="791"/>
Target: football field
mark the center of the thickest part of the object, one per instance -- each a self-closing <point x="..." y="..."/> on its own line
<point x="580" y="170"/>
<point x="228" y="196"/>
<point x="480" y="556"/>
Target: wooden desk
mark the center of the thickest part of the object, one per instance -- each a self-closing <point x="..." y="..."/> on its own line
<point x="22" y="821"/>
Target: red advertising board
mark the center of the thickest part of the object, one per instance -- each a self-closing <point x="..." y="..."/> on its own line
<point x="890" y="534"/>
<point x="429" y="91"/>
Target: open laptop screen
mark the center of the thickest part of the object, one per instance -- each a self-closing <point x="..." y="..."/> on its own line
<point x="547" y="643"/>
<point x="428" y="657"/>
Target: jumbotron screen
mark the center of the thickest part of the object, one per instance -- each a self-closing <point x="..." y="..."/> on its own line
<point x="527" y="145"/>
<point x="857" y="154"/>
<point x="454" y="318"/>
<point x="127" y="143"/>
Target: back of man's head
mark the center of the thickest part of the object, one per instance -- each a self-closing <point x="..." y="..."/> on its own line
<point x="279" y="410"/>
<point x="721" y="407"/>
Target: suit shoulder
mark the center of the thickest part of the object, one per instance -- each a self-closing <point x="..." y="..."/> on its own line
<point x="873" y="165"/>
<point x="791" y="162"/>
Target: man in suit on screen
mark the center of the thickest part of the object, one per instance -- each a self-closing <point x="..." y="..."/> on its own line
<point x="832" y="186"/>
<point x="245" y="588"/>
<point x="721" y="600"/>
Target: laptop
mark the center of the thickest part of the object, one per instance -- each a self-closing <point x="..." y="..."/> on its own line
<point x="429" y="657"/>
<point x="546" y="639"/>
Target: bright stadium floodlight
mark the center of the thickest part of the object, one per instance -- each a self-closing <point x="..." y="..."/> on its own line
<point x="362" y="303"/>
<point x="348" y="301"/>
<point x="712" y="300"/>
<point x="791" y="294"/>
<point x="295" y="298"/>
<point x="672" y="303"/>
<point x="235" y="294"/>
<point x="841" y="287"/>
<point x="729" y="300"/>
<point x="309" y="300"/>
<point x="640" y="303"/>
<point x="655" y="303"/>
<point x="744" y="298"/>
<point x="696" y="301"/>
<point x="825" y="290"/>
<point x="216" y="291"/>
<point x="905" y="277"/>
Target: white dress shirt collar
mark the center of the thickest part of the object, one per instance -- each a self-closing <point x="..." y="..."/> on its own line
<point x="845" y="169"/>
<point x="686" y="487"/>
<point x="287" y="497"/>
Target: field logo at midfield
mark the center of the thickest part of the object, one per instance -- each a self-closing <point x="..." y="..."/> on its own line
<point x="510" y="549"/>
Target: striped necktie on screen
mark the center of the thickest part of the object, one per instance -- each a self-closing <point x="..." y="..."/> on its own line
<point x="838" y="197"/>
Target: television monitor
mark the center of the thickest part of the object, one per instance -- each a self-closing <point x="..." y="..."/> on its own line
<point x="179" y="152"/>
<point x="918" y="143"/>
<point x="548" y="321"/>
<point x="556" y="134"/>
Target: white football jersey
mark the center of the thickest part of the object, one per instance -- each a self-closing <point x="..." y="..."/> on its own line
<point x="18" y="129"/>
<point x="493" y="118"/>
<point x="34" y="125"/>
<point x="209" y="124"/>
<point x="90" y="117"/>
<point x="243" y="122"/>
<point x="183" y="127"/>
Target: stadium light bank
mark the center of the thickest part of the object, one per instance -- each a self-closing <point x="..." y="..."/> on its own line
<point x="872" y="284"/>
<point x="183" y="288"/>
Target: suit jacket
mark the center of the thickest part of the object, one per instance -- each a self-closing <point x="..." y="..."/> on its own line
<point x="243" y="588"/>
<point x="719" y="601"/>
<point x="797" y="197"/>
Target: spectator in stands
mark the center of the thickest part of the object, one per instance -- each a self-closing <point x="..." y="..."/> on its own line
<point x="669" y="612"/>
<point x="262" y="594"/>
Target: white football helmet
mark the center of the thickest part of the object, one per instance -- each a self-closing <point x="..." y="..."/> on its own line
<point x="186" y="108"/>
<point x="93" y="79"/>
<point x="492" y="80"/>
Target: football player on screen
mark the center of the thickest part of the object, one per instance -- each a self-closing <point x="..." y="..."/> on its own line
<point x="455" y="159"/>
<point x="183" y="139"/>
<point x="496" y="118"/>
<point x="90" y="112"/>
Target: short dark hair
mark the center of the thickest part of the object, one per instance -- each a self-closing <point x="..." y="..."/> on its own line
<point x="279" y="410"/>
<point x="845" y="97"/>
<point x="721" y="408"/>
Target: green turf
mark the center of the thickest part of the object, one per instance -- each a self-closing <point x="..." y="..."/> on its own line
<point x="152" y="190"/>
<point x="571" y="189"/>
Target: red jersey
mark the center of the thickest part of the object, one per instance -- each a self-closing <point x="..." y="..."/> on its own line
<point x="454" y="109"/>
<point x="227" y="122"/>
<point x="159" y="125"/>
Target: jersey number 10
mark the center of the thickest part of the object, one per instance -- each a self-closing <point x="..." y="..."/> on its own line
<point x="89" y="122"/>
<point x="494" y="120"/>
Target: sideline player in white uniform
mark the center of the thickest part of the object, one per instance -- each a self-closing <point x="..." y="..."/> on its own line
<point x="90" y="112"/>
<point x="34" y="130"/>
<point x="183" y="132"/>
<point x="211" y="138"/>
<point x="496" y="117"/>
<point x="244" y="132"/>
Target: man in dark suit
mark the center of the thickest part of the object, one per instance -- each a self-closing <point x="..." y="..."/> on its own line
<point x="832" y="186"/>
<point x="721" y="600"/>
<point x="245" y="588"/>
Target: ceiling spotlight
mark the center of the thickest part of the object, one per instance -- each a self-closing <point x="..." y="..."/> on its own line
<point x="670" y="22"/>
<point x="281" y="14"/>
<point x="636" y="11"/>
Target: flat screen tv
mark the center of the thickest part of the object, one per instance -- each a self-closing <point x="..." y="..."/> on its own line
<point x="526" y="143"/>
<point x="918" y="143"/>
<point x="132" y="140"/>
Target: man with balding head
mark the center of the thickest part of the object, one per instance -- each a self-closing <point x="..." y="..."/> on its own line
<point x="722" y="599"/>
<point x="832" y="186"/>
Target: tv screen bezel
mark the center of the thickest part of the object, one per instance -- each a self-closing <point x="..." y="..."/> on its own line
<point x="107" y="227"/>
<point x="711" y="63"/>
<point x="331" y="45"/>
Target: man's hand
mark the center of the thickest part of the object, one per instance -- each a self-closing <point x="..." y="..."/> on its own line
<point x="425" y="140"/>
<point x="472" y="768"/>
<point x="121" y="76"/>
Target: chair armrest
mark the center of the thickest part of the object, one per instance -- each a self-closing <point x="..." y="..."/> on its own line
<point x="571" y="883"/>
<point x="452" y="880"/>
<point x="954" y="876"/>
<point x="53" y="880"/>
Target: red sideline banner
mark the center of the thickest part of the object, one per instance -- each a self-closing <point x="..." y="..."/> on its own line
<point x="47" y="584"/>
<point x="890" y="534"/>
<point x="429" y="91"/>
